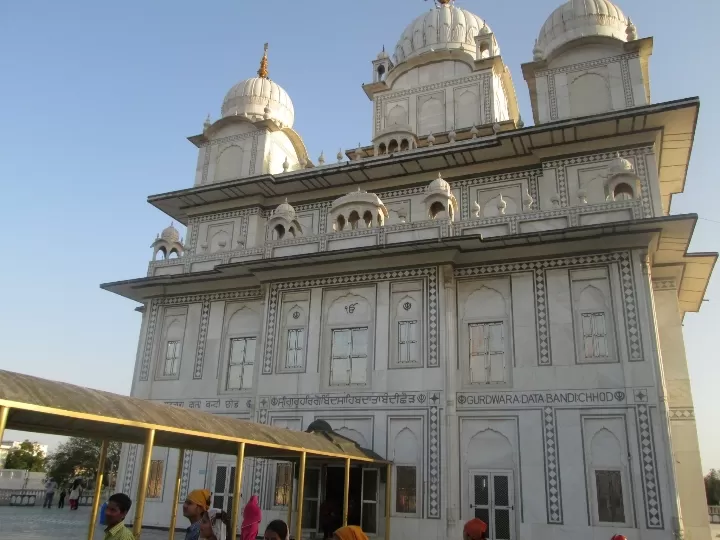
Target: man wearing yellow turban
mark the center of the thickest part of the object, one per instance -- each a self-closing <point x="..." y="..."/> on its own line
<point x="195" y="505"/>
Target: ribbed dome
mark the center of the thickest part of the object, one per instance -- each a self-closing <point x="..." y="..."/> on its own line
<point x="439" y="184"/>
<point x="581" y="18"/>
<point x="170" y="234"/>
<point x="286" y="210"/>
<point x="253" y="95"/>
<point x="442" y="28"/>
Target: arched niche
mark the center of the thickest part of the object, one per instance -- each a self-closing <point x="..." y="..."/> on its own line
<point x="220" y="241"/>
<point x="406" y="448"/>
<point x="485" y="303"/>
<point x="229" y="163"/>
<point x="396" y="115"/>
<point x="606" y="450"/>
<point x="295" y="316"/>
<point x="242" y="320"/>
<point x="431" y="116"/>
<point x="589" y="94"/>
<point x="350" y="308"/>
<point x="489" y="449"/>
<point x="466" y="109"/>
<point x="353" y="435"/>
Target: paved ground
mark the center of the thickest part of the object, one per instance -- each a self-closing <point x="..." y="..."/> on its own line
<point x="35" y="523"/>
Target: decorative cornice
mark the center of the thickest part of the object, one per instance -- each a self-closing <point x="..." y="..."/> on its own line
<point x="682" y="413"/>
<point x="664" y="285"/>
<point x="586" y="65"/>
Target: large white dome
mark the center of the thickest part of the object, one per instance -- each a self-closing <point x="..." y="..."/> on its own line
<point x="442" y="28"/>
<point x="578" y="19"/>
<point x="253" y="95"/>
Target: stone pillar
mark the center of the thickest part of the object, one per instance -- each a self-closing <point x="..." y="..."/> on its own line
<point x="452" y="453"/>
<point x="683" y="430"/>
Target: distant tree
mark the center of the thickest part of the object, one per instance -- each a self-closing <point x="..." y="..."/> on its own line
<point x="712" y="488"/>
<point x="28" y="457"/>
<point x="78" y="457"/>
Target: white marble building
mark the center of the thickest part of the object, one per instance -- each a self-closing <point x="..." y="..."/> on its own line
<point x="495" y="308"/>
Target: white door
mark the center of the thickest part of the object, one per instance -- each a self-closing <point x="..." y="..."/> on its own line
<point x="223" y="485"/>
<point x="492" y="500"/>
<point x="369" y="507"/>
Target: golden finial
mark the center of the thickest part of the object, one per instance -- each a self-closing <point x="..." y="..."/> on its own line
<point x="263" y="71"/>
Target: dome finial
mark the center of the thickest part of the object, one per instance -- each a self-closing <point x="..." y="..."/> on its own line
<point x="263" y="71"/>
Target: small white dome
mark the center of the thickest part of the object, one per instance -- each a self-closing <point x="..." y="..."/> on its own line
<point x="581" y="18"/>
<point x="252" y="96"/>
<point x="358" y="196"/>
<point x="439" y="184"/>
<point x="170" y="234"/>
<point x="620" y="165"/>
<point x="443" y="28"/>
<point x="285" y="210"/>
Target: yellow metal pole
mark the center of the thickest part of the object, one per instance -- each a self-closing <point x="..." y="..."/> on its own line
<point x="98" y="489"/>
<point x="301" y="494"/>
<point x="4" y="412"/>
<point x="239" y="460"/>
<point x="290" y="501"/>
<point x="346" y="491"/>
<point x="143" y="483"/>
<point x="176" y="495"/>
<point x="388" y="500"/>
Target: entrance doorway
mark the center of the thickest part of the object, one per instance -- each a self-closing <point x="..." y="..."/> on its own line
<point x="492" y="500"/>
<point x="363" y="499"/>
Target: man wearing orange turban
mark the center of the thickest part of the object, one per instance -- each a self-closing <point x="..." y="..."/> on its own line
<point x="195" y="505"/>
<point x="475" y="529"/>
<point x="351" y="532"/>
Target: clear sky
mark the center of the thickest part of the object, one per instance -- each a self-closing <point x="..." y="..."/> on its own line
<point x="96" y="99"/>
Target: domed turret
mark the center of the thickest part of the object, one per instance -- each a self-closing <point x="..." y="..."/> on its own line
<point x="260" y="98"/>
<point x="439" y="200"/>
<point x="170" y="234"/>
<point x="283" y="222"/>
<point x="167" y="243"/>
<point x="445" y="28"/>
<point x="581" y="19"/>
<point x="358" y="209"/>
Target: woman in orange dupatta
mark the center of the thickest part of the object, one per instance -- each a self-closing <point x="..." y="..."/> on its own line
<point x="351" y="532"/>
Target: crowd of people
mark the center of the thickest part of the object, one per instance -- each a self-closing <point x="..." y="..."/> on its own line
<point x="207" y="523"/>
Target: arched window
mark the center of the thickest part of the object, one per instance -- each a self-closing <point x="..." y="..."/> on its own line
<point x="382" y="149"/>
<point x="484" y="51"/>
<point x="435" y="209"/>
<point x="292" y="231"/>
<point x="380" y="72"/>
<point x="173" y="254"/>
<point x="353" y="219"/>
<point x="160" y="254"/>
<point x="278" y="232"/>
<point x="404" y="145"/>
<point x="368" y="219"/>
<point x="623" y="192"/>
<point x="340" y="222"/>
<point x="393" y="146"/>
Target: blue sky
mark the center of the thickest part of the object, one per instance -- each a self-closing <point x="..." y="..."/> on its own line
<point x="98" y="97"/>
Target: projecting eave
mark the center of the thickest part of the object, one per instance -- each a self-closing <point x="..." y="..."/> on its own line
<point x="669" y="126"/>
<point x="666" y="237"/>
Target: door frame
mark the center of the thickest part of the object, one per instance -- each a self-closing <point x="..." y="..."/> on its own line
<point x="491" y="473"/>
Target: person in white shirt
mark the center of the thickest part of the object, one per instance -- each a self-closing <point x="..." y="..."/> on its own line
<point x="50" y="487"/>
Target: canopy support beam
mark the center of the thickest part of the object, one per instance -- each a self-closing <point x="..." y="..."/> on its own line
<point x="143" y="483"/>
<point x="346" y="493"/>
<point x="4" y="412"/>
<point x="98" y="489"/>
<point x="290" y="501"/>
<point x="234" y="517"/>
<point x="388" y="500"/>
<point x="176" y="494"/>
<point x="301" y="495"/>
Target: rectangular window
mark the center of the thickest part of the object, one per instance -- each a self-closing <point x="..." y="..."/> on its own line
<point x="594" y="335"/>
<point x="155" y="480"/>
<point x="408" y="349"/>
<point x="283" y="484"/>
<point x="295" y="348"/>
<point x="487" y="353"/>
<point x="241" y="363"/>
<point x="608" y="485"/>
<point x="405" y="489"/>
<point x="349" y="358"/>
<point x="311" y="499"/>
<point x="172" y="359"/>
